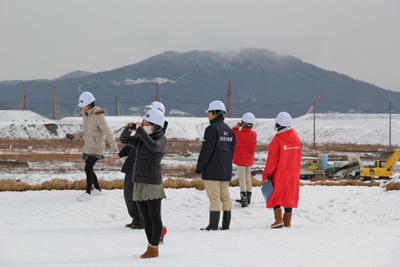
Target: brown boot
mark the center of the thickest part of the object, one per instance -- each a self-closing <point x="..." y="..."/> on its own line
<point x="151" y="252"/>
<point x="278" y="219"/>
<point x="287" y="217"/>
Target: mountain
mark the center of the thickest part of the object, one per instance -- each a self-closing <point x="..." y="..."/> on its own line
<point x="262" y="82"/>
<point x="73" y="75"/>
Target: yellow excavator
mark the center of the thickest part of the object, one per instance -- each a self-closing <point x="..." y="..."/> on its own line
<point x="381" y="168"/>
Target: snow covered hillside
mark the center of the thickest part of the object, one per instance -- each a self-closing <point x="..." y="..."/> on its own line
<point x="330" y="128"/>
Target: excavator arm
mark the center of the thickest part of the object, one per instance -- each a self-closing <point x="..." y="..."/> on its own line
<point x="391" y="162"/>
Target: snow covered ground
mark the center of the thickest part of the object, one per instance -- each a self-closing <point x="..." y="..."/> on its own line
<point x="333" y="226"/>
<point x="330" y="127"/>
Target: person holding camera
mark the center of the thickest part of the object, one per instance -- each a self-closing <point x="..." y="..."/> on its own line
<point x="150" y="143"/>
<point x="246" y="142"/>
<point x="215" y="165"/>
<point x="129" y="152"/>
<point x="95" y="131"/>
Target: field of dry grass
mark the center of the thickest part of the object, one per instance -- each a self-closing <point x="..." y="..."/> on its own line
<point x="64" y="184"/>
<point x="182" y="148"/>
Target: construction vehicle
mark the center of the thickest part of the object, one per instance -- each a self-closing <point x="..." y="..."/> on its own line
<point x="381" y="168"/>
<point x="346" y="170"/>
<point x="311" y="168"/>
<point x="314" y="168"/>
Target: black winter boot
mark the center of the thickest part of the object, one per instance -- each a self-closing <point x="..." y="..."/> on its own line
<point x="226" y="220"/>
<point x="214" y="220"/>
<point x="243" y="198"/>
<point x="248" y="198"/>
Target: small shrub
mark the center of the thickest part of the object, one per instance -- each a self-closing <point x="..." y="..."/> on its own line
<point x="79" y="185"/>
<point x="254" y="182"/>
<point x="393" y="185"/>
<point x="198" y="184"/>
<point x="108" y="185"/>
<point x="57" y="184"/>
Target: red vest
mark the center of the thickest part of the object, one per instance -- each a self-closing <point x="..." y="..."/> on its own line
<point x="283" y="166"/>
<point x="246" y="142"/>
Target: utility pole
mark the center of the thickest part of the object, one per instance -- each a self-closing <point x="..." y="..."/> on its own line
<point x="22" y="103"/>
<point x="157" y="95"/>
<point x="76" y="111"/>
<point x="390" y="125"/>
<point x="230" y="104"/>
<point x="314" y="122"/>
<point x="313" y="107"/>
<point x="55" y="105"/>
<point x="118" y="110"/>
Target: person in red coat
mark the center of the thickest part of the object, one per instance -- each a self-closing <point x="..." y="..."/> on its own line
<point x="283" y="168"/>
<point x="246" y="142"/>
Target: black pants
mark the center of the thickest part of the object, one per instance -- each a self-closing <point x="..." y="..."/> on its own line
<point x="287" y="210"/>
<point x="151" y="210"/>
<point x="132" y="206"/>
<point x="91" y="177"/>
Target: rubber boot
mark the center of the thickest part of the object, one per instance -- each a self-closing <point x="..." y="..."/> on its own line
<point x="278" y="219"/>
<point x="287" y="217"/>
<point x="151" y="252"/>
<point x="248" y="198"/>
<point x="226" y="220"/>
<point x="243" y="198"/>
<point x="214" y="220"/>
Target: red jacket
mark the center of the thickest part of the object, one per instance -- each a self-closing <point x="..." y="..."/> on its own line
<point x="283" y="166"/>
<point x="246" y="142"/>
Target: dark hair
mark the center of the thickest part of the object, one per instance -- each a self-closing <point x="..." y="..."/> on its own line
<point x="92" y="105"/>
<point x="156" y="127"/>
<point x="247" y="125"/>
<point x="279" y="127"/>
<point x="218" y="113"/>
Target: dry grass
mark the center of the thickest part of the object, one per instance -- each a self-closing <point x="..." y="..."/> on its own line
<point x="57" y="184"/>
<point x="45" y="143"/>
<point x="64" y="184"/>
<point x="177" y="146"/>
<point x="254" y="182"/>
<point x="261" y="147"/>
<point x="184" y="148"/>
<point x="344" y="183"/>
<point x="393" y="185"/>
<point x="329" y="147"/>
<point x="181" y="171"/>
<point x="35" y="157"/>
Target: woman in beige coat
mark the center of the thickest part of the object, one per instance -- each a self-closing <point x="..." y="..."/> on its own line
<point x="95" y="131"/>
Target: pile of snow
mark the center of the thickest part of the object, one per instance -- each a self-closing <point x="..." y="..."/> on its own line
<point x="23" y="124"/>
<point x="19" y="116"/>
<point x="333" y="226"/>
<point x="329" y="128"/>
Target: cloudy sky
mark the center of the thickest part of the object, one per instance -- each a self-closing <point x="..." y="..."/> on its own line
<point x="49" y="38"/>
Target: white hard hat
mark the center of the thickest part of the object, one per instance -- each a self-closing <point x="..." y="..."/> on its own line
<point x="157" y="105"/>
<point x="248" y="117"/>
<point x="216" y="105"/>
<point x="155" y="116"/>
<point x="284" y="119"/>
<point x="85" y="99"/>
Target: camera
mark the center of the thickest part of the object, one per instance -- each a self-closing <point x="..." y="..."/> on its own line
<point x="132" y="126"/>
<point x="70" y="136"/>
<point x="240" y="124"/>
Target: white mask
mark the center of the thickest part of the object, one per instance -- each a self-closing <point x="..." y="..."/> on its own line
<point x="147" y="129"/>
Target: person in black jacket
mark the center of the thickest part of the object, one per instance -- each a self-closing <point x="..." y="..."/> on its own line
<point x="127" y="168"/>
<point x="215" y="165"/>
<point x="150" y="143"/>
